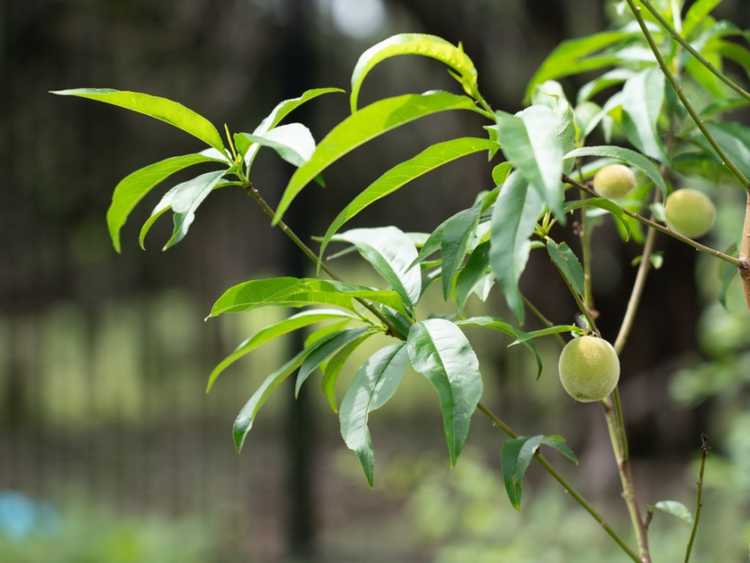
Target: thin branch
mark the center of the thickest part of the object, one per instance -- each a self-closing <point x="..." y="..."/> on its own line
<point x="637" y="292"/>
<point x="662" y="229"/>
<point x="683" y="98"/>
<point x="541" y="316"/>
<point x="564" y="483"/>
<point x="676" y="35"/>
<point x="745" y="253"/>
<point x="698" y="500"/>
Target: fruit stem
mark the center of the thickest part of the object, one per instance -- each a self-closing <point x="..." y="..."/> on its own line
<point x="744" y="266"/>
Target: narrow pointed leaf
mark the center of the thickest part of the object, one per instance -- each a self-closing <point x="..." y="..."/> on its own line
<point x="472" y="274"/>
<point x="370" y="122"/>
<point x="375" y="383"/>
<point x="535" y="141"/>
<point x="323" y="350"/>
<point x="292" y="142"/>
<point x="333" y="368"/>
<point x="159" y="108"/>
<point x="277" y="115"/>
<point x="454" y="245"/>
<point x="568" y="264"/>
<point x="676" y="509"/>
<point x="527" y="337"/>
<point x="440" y="352"/>
<point x="271" y="332"/>
<point x="642" y="101"/>
<point x="245" y="419"/>
<point x="513" y="220"/>
<point x="414" y="44"/>
<point x="429" y="159"/>
<point x="392" y="253"/>
<point x="298" y="292"/>
<point x="573" y="57"/>
<point x="183" y="200"/>
<point x="135" y="186"/>
<point x="516" y="457"/>
<point x="697" y="15"/>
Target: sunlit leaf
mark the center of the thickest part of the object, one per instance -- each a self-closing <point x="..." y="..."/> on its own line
<point x="183" y="200"/>
<point x="364" y="125"/>
<point x="293" y="142"/>
<point x="676" y="509"/>
<point x="159" y="108"/>
<point x="513" y="220"/>
<point x="392" y="253"/>
<point x="643" y="98"/>
<point x="271" y="332"/>
<point x="375" y="383"/>
<point x="135" y="186"/>
<point x="415" y="44"/>
<point x="440" y="351"/>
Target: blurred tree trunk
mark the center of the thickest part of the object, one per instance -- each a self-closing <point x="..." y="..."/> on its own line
<point x="296" y="63"/>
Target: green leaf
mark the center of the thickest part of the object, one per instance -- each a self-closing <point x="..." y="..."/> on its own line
<point x="535" y="141"/>
<point x="324" y="349"/>
<point x="278" y="113"/>
<point x="572" y="57"/>
<point x="471" y="276"/>
<point x="271" y="332"/>
<point x="628" y="156"/>
<point x="568" y="264"/>
<point x="375" y="383"/>
<point x="392" y="253"/>
<point x="736" y="53"/>
<point x="298" y="292"/>
<point x="454" y="243"/>
<point x="549" y="331"/>
<point x="676" y="509"/>
<point x="734" y="140"/>
<point x="162" y="109"/>
<point x="415" y="44"/>
<point x="440" y="352"/>
<point x="513" y="221"/>
<point x="501" y="172"/>
<point x="643" y="98"/>
<point x="429" y="159"/>
<point x="333" y="367"/>
<point x="135" y="186"/>
<point x="499" y="325"/>
<point x="697" y="15"/>
<point x="293" y="142"/>
<point x="606" y="80"/>
<point x="516" y="457"/>
<point x="370" y="122"/>
<point x="245" y="419"/>
<point x="184" y="200"/>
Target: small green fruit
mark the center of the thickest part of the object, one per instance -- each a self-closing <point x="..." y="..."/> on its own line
<point x="614" y="181"/>
<point x="690" y="212"/>
<point x="589" y="369"/>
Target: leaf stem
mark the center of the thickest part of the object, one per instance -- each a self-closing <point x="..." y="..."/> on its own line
<point x="541" y="316"/>
<point x="676" y="34"/>
<point x="698" y="500"/>
<point x="663" y="229"/>
<point x="683" y="98"/>
<point x="564" y="483"/>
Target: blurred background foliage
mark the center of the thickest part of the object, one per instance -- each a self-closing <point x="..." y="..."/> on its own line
<point x="104" y="424"/>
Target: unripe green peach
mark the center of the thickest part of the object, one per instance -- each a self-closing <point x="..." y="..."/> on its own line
<point x="614" y="181"/>
<point x="589" y="369"/>
<point x="690" y="212"/>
